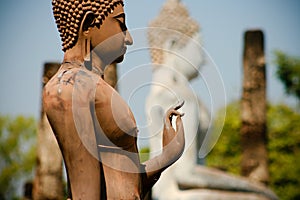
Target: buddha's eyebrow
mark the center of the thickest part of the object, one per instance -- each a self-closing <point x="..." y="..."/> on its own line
<point x="120" y="15"/>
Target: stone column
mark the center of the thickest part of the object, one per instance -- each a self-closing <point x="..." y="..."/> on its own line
<point x="253" y="109"/>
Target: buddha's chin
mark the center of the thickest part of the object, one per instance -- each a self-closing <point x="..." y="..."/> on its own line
<point x="119" y="59"/>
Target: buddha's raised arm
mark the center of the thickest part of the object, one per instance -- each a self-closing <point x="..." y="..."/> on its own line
<point x="173" y="147"/>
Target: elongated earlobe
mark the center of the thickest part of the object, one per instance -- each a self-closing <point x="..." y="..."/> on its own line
<point x="85" y="26"/>
<point x="87" y="49"/>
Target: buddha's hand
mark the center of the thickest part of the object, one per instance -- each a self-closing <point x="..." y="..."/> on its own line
<point x="173" y="139"/>
<point x="173" y="147"/>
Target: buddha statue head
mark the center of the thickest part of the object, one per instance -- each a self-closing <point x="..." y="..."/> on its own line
<point x="90" y="23"/>
<point x="175" y="40"/>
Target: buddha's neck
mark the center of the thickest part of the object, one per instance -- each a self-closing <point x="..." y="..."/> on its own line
<point x="75" y="55"/>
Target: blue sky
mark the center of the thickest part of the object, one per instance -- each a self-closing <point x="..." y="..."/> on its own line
<point x="29" y="39"/>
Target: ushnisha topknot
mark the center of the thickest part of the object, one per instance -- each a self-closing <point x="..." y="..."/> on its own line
<point x="175" y="17"/>
<point x="68" y="15"/>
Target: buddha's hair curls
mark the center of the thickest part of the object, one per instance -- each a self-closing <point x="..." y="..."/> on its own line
<point x="68" y="15"/>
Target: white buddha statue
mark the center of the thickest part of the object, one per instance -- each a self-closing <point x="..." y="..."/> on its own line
<point x="177" y="56"/>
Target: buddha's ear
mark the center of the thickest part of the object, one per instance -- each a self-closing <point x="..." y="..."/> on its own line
<point x="86" y="22"/>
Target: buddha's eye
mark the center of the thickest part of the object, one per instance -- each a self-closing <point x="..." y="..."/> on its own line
<point x="122" y="25"/>
<point x="121" y="20"/>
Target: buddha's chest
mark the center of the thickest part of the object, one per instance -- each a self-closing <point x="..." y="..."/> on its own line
<point x="114" y="116"/>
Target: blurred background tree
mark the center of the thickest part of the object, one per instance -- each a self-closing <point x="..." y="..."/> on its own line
<point x="17" y="152"/>
<point x="283" y="147"/>
<point x="288" y="72"/>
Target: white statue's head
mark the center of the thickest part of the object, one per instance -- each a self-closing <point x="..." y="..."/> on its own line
<point x="184" y="58"/>
<point x="175" y="40"/>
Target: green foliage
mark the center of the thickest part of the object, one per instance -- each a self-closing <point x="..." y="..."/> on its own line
<point x="283" y="146"/>
<point x="284" y="151"/>
<point x="17" y="152"/>
<point x="226" y="155"/>
<point x="144" y="154"/>
<point x="288" y="72"/>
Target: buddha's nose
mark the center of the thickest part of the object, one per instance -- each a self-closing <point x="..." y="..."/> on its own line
<point x="128" y="38"/>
